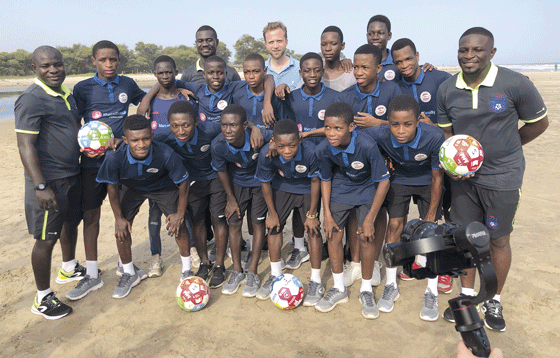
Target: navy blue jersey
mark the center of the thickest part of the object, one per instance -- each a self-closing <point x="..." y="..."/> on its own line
<point x="253" y="105"/>
<point x="424" y="90"/>
<point x="242" y="161"/>
<point x="354" y="172"/>
<point x="309" y="111"/>
<point x="375" y="103"/>
<point x="413" y="161"/>
<point x="196" y="152"/>
<point x="160" y="169"/>
<point x="292" y="176"/>
<point x="389" y="71"/>
<point x="159" y="108"/>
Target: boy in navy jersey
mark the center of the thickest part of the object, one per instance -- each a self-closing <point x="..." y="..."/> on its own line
<point x="233" y="158"/>
<point x="104" y="97"/>
<point x="353" y="175"/>
<point x="145" y="169"/>
<point x="413" y="148"/>
<point x="290" y="182"/>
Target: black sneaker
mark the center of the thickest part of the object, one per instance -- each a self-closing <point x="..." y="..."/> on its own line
<point x="448" y="315"/>
<point x="50" y="307"/>
<point x="204" y="270"/>
<point x="218" y="276"/>
<point x="493" y="317"/>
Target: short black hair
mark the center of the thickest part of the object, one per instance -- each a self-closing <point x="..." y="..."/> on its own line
<point x="340" y="110"/>
<point x="369" y="49"/>
<point x="285" y="126"/>
<point x="478" y="31"/>
<point x="236" y="109"/>
<point x="403" y="103"/>
<point x="165" y="59"/>
<point x="136" y="122"/>
<point x="336" y="29"/>
<point x="42" y="49"/>
<point x="104" y="44"/>
<point x="402" y="43"/>
<point x="207" y="28"/>
<point x="380" y="18"/>
<point x="255" y="57"/>
<point x="182" y="107"/>
<point x="215" y="59"/>
<point x="309" y="56"/>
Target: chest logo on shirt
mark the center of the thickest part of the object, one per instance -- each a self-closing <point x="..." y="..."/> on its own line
<point x="498" y="104"/>
<point x="380" y="110"/>
<point x="280" y="172"/>
<point x="425" y="96"/>
<point x="301" y="168"/>
<point x="389" y="75"/>
<point x="123" y="97"/>
<point x="205" y="148"/>
<point x="255" y="156"/>
<point x="202" y="117"/>
<point x="96" y="114"/>
<point x="321" y="114"/>
<point x="154" y="125"/>
<point x="357" y="165"/>
<point x="221" y="104"/>
<point x="420" y="157"/>
<point x="152" y="170"/>
<point x="299" y="127"/>
<point x="239" y="165"/>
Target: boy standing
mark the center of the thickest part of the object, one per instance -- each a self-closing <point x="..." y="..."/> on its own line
<point x="332" y="44"/>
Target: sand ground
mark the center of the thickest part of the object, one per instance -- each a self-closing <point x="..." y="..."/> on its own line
<point x="149" y="323"/>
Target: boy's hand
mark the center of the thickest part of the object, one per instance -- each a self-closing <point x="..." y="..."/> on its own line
<point x="268" y="114"/>
<point x="113" y="143"/>
<point x="456" y="177"/>
<point x="347" y="65"/>
<point x="312" y="226"/>
<point x="425" y="119"/>
<point x="144" y="109"/>
<point x="187" y="94"/>
<point x="174" y="222"/>
<point x="272" y="151"/>
<point x="231" y="208"/>
<point x="330" y="227"/>
<point x="256" y="138"/>
<point x="366" y="231"/>
<point x="272" y="222"/>
<point x="364" y="120"/>
<point x="123" y="228"/>
<point x="281" y="91"/>
<point x="93" y="155"/>
<point x="428" y="67"/>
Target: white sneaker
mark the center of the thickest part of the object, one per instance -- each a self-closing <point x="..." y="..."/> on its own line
<point x="376" y="277"/>
<point x="351" y="273"/>
<point x="156" y="266"/>
<point x="195" y="259"/>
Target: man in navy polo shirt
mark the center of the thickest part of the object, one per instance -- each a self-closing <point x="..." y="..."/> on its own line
<point x="145" y="169"/>
<point x="283" y="67"/>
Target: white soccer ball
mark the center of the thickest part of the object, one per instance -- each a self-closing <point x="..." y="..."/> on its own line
<point x="286" y="291"/>
<point x="93" y="136"/>
<point x="461" y="155"/>
<point x="193" y="294"/>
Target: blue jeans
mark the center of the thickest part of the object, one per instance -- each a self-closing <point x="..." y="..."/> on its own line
<point x="154" y="228"/>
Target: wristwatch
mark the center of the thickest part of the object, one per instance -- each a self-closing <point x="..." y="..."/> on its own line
<point x="41" y="186"/>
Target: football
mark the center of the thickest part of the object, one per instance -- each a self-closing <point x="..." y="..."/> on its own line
<point x="193" y="294"/>
<point x="93" y="136"/>
<point x="286" y="291"/>
<point x="461" y="155"/>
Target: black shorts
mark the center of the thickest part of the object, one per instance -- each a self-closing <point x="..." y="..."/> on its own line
<point x="285" y="203"/>
<point x="131" y="200"/>
<point x="398" y="200"/>
<point x="93" y="193"/>
<point x="340" y="213"/>
<point x="207" y="194"/>
<point x="47" y="225"/>
<point x="495" y="209"/>
<point x="446" y="196"/>
<point x="246" y="197"/>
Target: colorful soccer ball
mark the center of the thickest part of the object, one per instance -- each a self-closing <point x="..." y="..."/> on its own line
<point x="461" y="155"/>
<point x="286" y="291"/>
<point x="193" y="294"/>
<point x="93" y="136"/>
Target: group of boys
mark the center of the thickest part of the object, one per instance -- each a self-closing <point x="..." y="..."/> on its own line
<point x="362" y="144"/>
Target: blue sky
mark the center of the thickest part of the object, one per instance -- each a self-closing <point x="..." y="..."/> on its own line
<point x="525" y="31"/>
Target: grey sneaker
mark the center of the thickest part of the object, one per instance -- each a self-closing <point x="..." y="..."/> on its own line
<point x="246" y="260"/>
<point x="235" y="280"/>
<point x="429" y="310"/>
<point x="298" y="257"/>
<point x="252" y="282"/>
<point x="141" y="273"/>
<point x="315" y="292"/>
<point x="126" y="283"/>
<point x="351" y="273"/>
<point x="376" y="277"/>
<point x="264" y="292"/>
<point x="333" y="297"/>
<point x="186" y="274"/>
<point x="369" y="308"/>
<point x="85" y="286"/>
<point x="212" y="254"/>
<point x="387" y="301"/>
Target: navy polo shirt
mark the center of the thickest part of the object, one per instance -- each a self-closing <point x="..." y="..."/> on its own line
<point x="196" y="152"/>
<point x="353" y="171"/>
<point x="160" y="169"/>
<point x="424" y="90"/>
<point x="309" y="111"/>
<point x="375" y="103"/>
<point x="160" y="107"/>
<point x="389" y="71"/>
<point x="293" y="176"/>
<point x="253" y="105"/>
<point x="243" y="160"/>
<point x="413" y="161"/>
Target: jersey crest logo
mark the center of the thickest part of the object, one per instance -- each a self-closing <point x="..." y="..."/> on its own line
<point x="239" y="165"/>
<point x="380" y="110"/>
<point x="202" y="117"/>
<point x="498" y="104"/>
<point x="389" y="75"/>
<point x="492" y="222"/>
<point x="152" y="170"/>
<point x="357" y="165"/>
<point x="301" y="168"/>
<point x="280" y="172"/>
<point x="123" y="97"/>
<point x="420" y="157"/>
<point x="425" y="96"/>
<point x="221" y="104"/>
<point x="321" y="114"/>
<point x="255" y="156"/>
<point x="300" y="127"/>
<point x="205" y="148"/>
<point x="96" y="114"/>
<point x="154" y="125"/>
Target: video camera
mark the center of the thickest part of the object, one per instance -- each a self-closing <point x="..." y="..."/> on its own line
<point x="449" y="249"/>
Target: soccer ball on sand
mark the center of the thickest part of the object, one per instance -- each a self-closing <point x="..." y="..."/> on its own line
<point x="286" y="291"/>
<point x="193" y="294"/>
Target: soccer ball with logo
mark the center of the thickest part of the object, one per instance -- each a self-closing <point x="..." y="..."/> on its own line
<point x="193" y="294"/>
<point x="461" y="155"/>
<point x="286" y="291"/>
<point x="93" y="136"/>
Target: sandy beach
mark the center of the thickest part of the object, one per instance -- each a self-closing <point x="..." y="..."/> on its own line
<point x="149" y="323"/>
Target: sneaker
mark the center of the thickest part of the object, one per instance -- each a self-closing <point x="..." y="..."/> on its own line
<point x="228" y="252"/>
<point x="212" y="254"/>
<point x="156" y="266"/>
<point x="351" y="273"/>
<point x="315" y="292"/>
<point x="445" y="284"/>
<point x="252" y="283"/>
<point x="85" y="286"/>
<point x="403" y="276"/>
<point x="387" y="301"/>
<point x="204" y="270"/>
<point x="246" y="260"/>
<point x="218" y="276"/>
<point x="369" y="308"/>
<point x="76" y="274"/>
<point x="195" y="259"/>
<point x="429" y="311"/>
<point x="376" y="277"/>
<point x="50" y="307"/>
<point x="493" y="318"/>
<point x="141" y="273"/>
<point x="186" y="274"/>
<point x="298" y="257"/>
<point x="333" y="297"/>
<point x="448" y="315"/>
<point x="264" y="292"/>
<point x="235" y="280"/>
<point x="125" y="285"/>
